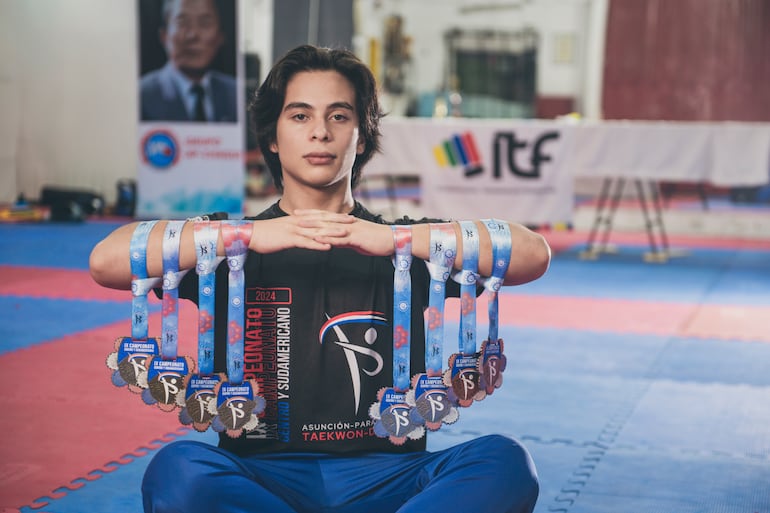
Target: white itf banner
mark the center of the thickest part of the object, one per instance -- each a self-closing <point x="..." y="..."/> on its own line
<point x="191" y="110"/>
<point x="484" y="168"/>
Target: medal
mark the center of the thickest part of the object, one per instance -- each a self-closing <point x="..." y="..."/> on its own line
<point x="235" y="407"/>
<point x="430" y="403"/>
<point x="129" y="359"/>
<point x="200" y="387"/>
<point x="391" y="411"/>
<point x="236" y="403"/>
<point x="200" y="390"/>
<point x="167" y="372"/>
<point x="462" y="377"/>
<point x="392" y="419"/>
<point x="428" y="395"/>
<point x="492" y="361"/>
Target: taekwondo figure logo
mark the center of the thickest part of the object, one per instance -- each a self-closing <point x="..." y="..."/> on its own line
<point x="460" y="149"/>
<point x="355" y="353"/>
<point x="160" y="149"/>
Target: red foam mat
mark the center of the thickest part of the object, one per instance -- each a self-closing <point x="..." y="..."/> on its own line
<point x="560" y="240"/>
<point x="63" y="419"/>
<point x="730" y="322"/>
<point x="17" y="280"/>
<point x="725" y="322"/>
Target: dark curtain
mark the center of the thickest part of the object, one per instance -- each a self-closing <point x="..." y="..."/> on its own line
<point x="291" y="18"/>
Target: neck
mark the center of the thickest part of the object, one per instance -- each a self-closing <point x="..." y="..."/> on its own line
<point x="341" y="201"/>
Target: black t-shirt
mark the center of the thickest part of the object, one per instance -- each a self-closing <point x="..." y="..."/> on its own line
<point x="318" y="340"/>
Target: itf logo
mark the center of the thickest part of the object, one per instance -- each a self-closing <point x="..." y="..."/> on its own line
<point x="460" y="149"/>
<point x="160" y="149"/>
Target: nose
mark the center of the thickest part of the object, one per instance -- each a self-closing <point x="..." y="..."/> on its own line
<point x="192" y="32"/>
<point x="320" y="131"/>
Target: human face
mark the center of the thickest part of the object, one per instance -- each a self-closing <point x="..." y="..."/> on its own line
<point x="192" y="36"/>
<point x="317" y="137"/>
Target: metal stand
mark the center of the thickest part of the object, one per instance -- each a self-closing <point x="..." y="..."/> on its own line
<point x="653" y="221"/>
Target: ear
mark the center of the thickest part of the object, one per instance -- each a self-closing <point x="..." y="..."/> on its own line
<point x="360" y="146"/>
<point x="274" y="147"/>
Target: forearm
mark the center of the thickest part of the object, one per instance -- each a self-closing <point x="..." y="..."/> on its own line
<point x="110" y="264"/>
<point x="530" y="253"/>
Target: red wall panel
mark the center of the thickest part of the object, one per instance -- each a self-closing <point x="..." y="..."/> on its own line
<point x="687" y="60"/>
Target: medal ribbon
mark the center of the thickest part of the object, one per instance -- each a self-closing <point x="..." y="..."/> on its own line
<point x="443" y="249"/>
<point x="140" y="283"/>
<point x="236" y="236"/>
<point x="172" y="237"/>
<point x="500" y="235"/>
<point x="205" y="234"/>
<point x="402" y="306"/>
<point x="467" y="279"/>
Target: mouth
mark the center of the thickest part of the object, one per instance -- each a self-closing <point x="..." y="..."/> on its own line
<point x="319" y="158"/>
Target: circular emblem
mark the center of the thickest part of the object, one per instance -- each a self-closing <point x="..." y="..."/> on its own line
<point x="160" y="149"/>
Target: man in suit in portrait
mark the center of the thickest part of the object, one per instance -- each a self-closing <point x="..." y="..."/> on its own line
<point x="186" y="88"/>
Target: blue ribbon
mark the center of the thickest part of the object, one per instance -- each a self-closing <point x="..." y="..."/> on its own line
<point x="236" y="236"/>
<point x="467" y="279"/>
<point x="172" y="237"/>
<point x="140" y="283"/>
<point x="205" y="234"/>
<point x="443" y="250"/>
<point x="500" y="235"/>
<point x="402" y="306"/>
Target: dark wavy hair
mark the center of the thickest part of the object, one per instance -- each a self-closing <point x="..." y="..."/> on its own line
<point x="266" y="105"/>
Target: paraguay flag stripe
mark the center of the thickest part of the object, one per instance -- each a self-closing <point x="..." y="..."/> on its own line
<point x="352" y="317"/>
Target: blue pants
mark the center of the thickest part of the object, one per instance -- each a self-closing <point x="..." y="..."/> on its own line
<point x="491" y="473"/>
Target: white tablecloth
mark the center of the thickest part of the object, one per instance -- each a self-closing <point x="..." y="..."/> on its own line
<point x="512" y="179"/>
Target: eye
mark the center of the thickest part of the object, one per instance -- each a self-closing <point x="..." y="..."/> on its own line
<point x="299" y="116"/>
<point x="339" y="117"/>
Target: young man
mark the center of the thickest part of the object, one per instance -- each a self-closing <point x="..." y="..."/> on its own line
<point x="321" y="262"/>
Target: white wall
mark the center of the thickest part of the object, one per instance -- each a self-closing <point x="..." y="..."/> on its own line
<point x="71" y="78"/>
<point x="68" y="75"/>
<point x="9" y="105"/>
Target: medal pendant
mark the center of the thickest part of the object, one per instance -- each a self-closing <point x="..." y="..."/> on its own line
<point x="129" y="362"/>
<point x="391" y="416"/>
<point x="492" y="363"/>
<point x="236" y="408"/>
<point x="199" y="392"/>
<point x="430" y="403"/>
<point x="165" y="381"/>
<point x="462" y="379"/>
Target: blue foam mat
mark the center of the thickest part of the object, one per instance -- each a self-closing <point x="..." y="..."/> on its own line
<point x="721" y="420"/>
<point x="25" y="321"/>
<point x="65" y="245"/>
<point x="723" y="276"/>
<point x="603" y="432"/>
<point x="614" y="422"/>
<point x="672" y="482"/>
<point x="715" y="361"/>
<point x="118" y="491"/>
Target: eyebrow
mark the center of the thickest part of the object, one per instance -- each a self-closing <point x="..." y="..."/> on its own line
<point x="332" y="106"/>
